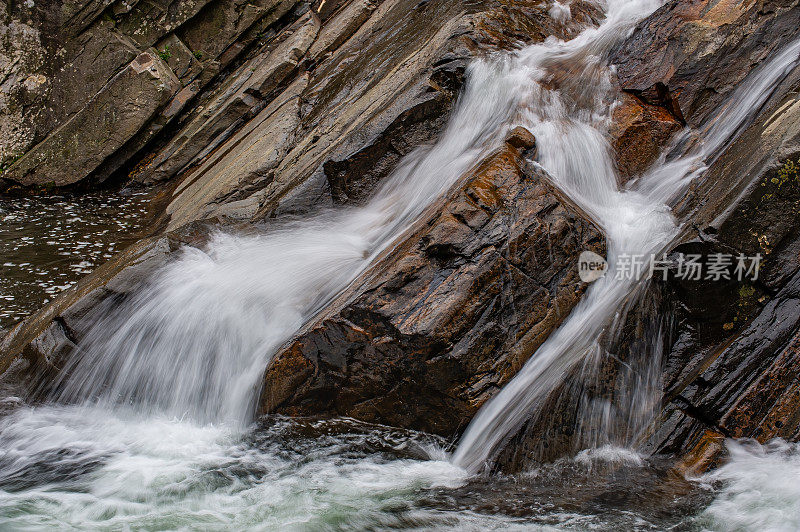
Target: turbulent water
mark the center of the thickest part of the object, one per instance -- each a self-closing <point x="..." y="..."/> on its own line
<point x="157" y="430"/>
<point x="636" y="221"/>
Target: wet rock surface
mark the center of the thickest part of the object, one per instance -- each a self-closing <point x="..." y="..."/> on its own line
<point x="731" y="368"/>
<point x="639" y="131"/>
<point x="450" y="315"/>
<point x="689" y="56"/>
<point x="245" y="111"/>
<point x="719" y="354"/>
<point x="730" y="359"/>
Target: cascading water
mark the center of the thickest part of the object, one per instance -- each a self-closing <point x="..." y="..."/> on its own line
<point x="163" y="388"/>
<point x="637" y="221"/>
<point x="195" y="340"/>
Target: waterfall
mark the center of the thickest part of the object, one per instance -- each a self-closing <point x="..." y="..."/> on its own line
<point x="195" y="339"/>
<point x="569" y="123"/>
<point x="157" y="431"/>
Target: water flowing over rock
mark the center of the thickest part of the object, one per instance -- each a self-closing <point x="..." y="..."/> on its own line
<point x="448" y="316"/>
<point x="597" y="400"/>
<point x="726" y="348"/>
<point x="303" y="97"/>
<point x="729" y="366"/>
<point x="376" y="208"/>
<point x="689" y="56"/>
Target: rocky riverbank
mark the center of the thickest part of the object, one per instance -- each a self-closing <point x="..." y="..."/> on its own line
<point x="245" y="112"/>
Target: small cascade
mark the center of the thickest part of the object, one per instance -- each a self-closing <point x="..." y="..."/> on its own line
<point x="637" y="222"/>
<point x="194" y="341"/>
<point x="152" y="421"/>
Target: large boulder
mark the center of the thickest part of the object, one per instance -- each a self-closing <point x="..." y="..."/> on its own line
<point x="443" y="321"/>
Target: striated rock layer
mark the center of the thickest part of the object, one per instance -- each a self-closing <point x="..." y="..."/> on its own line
<point x="709" y="359"/>
<point x="451" y="314"/>
<point x="315" y="109"/>
<point x="246" y="111"/>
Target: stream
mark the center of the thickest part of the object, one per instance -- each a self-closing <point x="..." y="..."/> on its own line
<point x="153" y="423"/>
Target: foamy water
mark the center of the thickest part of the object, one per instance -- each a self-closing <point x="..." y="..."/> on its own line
<point x="759" y="489"/>
<point x="160" y="432"/>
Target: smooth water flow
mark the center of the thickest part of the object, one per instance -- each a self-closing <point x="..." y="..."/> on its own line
<point x="195" y="341"/>
<point x="637" y="221"/>
<point x="159" y="431"/>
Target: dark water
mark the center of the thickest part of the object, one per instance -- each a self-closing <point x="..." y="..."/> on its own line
<point x="47" y="243"/>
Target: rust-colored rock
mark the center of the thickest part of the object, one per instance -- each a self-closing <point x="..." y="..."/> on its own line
<point x="521" y="138"/>
<point x="448" y="317"/>
<point x="638" y="133"/>
<point x="689" y="56"/>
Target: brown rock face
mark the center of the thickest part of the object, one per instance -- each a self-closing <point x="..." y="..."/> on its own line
<point x="449" y="316"/>
<point x="689" y="56"/>
<point x="639" y="131"/>
<point x="521" y="139"/>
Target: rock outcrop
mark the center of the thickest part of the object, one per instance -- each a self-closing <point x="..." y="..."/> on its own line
<point x="449" y="316"/>
<point x="689" y="56"/>
<point x="719" y="356"/>
<point x="731" y="370"/>
<point x="120" y="71"/>
<point x="264" y="108"/>
<point x="730" y="358"/>
<point x="344" y="102"/>
<point x="217" y="67"/>
<point x="245" y="111"/>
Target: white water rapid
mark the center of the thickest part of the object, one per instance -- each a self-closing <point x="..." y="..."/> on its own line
<point x="637" y="220"/>
<point x="153" y="425"/>
<point x="195" y="341"/>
